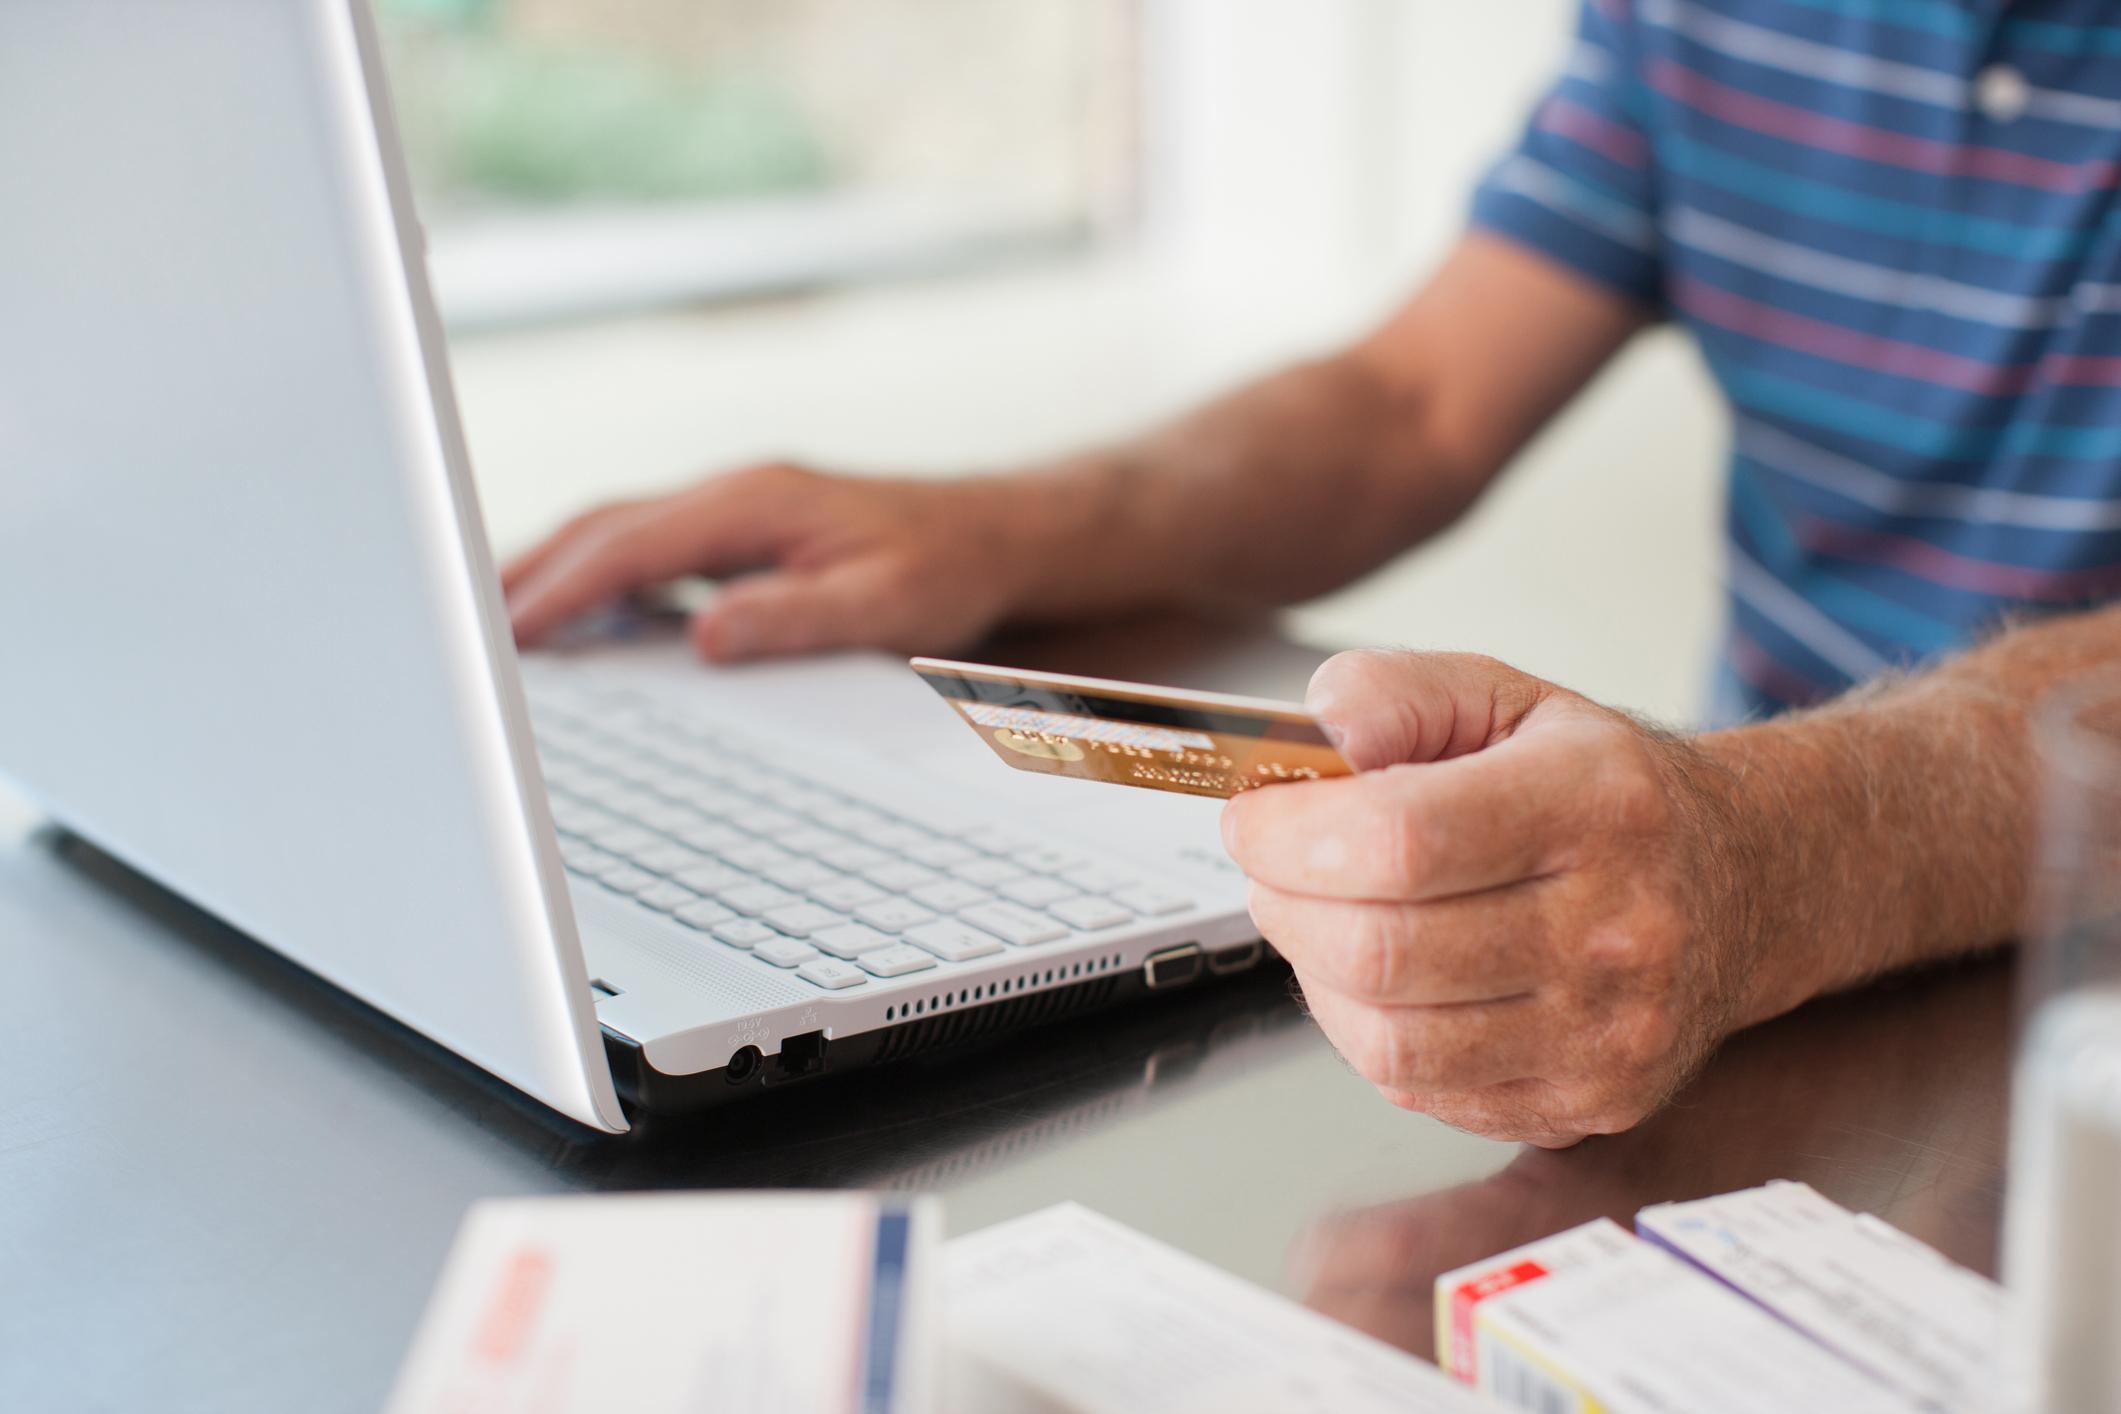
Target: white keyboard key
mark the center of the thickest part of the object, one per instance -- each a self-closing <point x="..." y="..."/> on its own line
<point x="847" y="894"/>
<point x="800" y="920"/>
<point x="722" y="807"/>
<point x="986" y="872"/>
<point x="756" y="855"/>
<point x="898" y="838"/>
<point x="668" y="858"/>
<point x="580" y="857"/>
<point x="1036" y="892"/>
<point x="785" y="952"/>
<point x="770" y="822"/>
<point x="1089" y="914"/>
<point x="746" y="933"/>
<point x="852" y="819"/>
<point x="853" y="857"/>
<point x="894" y="962"/>
<point x="667" y="897"/>
<point x="711" y="877"/>
<point x="1049" y="859"/>
<point x="831" y="975"/>
<point x="811" y="840"/>
<point x="949" y="896"/>
<point x="755" y="899"/>
<point x="1147" y="898"/>
<point x="666" y="817"/>
<point x="628" y="880"/>
<point x="575" y="819"/>
<point x="893" y="915"/>
<point x="606" y="788"/>
<point x="952" y="941"/>
<point x="704" y="914"/>
<point x="802" y="875"/>
<point x="710" y="835"/>
<point x="900" y="875"/>
<point x="622" y="837"/>
<point x="1101" y="879"/>
<point x="997" y="842"/>
<point x="850" y="940"/>
<point x="1012" y="924"/>
<point x="940" y="854"/>
<point x="808" y="800"/>
<point x="631" y="802"/>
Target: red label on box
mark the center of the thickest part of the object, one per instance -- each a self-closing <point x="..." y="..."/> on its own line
<point x="1469" y="1294"/>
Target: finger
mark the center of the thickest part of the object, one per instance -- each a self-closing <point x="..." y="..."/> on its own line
<point x="1431" y="1050"/>
<point x="1410" y="833"/>
<point x="730" y="523"/>
<point x="528" y="562"/>
<point x="1388" y="707"/>
<point x="1475" y="948"/>
<point x="786" y="612"/>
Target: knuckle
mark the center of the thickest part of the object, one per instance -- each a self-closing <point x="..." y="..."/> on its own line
<point x="764" y="478"/>
<point x="1372" y="962"/>
<point x="1630" y="789"/>
<point x="1648" y="1040"/>
<point x="1643" y="941"/>
<point x="1400" y="841"/>
<point x="1377" y="1052"/>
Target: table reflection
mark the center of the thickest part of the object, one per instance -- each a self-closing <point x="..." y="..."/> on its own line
<point x="1888" y="1100"/>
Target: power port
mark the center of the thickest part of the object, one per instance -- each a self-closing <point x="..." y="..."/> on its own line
<point x="743" y="1065"/>
<point x="800" y="1056"/>
<point x="1172" y="967"/>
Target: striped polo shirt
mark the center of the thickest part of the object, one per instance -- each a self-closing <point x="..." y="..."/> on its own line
<point x="1894" y="227"/>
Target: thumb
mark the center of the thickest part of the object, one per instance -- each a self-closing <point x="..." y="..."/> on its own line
<point x="788" y="611"/>
<point x="1388" y="707"/>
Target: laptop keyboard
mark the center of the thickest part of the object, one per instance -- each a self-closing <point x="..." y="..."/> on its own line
<point x="727" y="839"/>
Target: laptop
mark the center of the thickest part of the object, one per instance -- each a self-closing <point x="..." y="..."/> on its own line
<point x="254" y="644"/>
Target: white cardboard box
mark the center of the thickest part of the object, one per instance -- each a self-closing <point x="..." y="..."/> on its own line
<point x="1883" y="1301"/>
<point x="1593" y="1321"/>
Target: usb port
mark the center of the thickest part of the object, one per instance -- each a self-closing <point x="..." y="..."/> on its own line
<point x="1245" y="956"/>
<point x="1172" y="967"/>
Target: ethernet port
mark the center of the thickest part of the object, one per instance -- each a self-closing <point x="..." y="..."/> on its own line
<point x="800" y="1056"/>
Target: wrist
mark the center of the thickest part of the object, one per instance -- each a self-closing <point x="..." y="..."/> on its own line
<point x="1765" y="895"/>
<point x="1055" y="538"/>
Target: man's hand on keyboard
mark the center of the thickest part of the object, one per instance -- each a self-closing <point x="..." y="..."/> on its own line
<point x="815" y="561"/>
<point x="1528" y="915"/>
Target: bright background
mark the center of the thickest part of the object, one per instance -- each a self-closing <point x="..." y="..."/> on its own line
<point x="938" y="235"/>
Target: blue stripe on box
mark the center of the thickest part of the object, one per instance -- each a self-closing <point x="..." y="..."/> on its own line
<point x="887" y="1292"/>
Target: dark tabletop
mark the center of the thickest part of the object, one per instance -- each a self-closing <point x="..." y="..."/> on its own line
<point x="223" y="1187"/>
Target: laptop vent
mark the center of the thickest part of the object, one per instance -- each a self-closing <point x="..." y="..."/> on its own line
<point x="1023" y="1009"/>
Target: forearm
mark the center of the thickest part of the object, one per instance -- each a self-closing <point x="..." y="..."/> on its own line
<point x="1278" y="492"/>
<point x="1895" y="825"/>
<point x="1309" y="478"/>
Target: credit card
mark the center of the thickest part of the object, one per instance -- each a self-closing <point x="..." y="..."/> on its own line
<point x="1131" y="734"/>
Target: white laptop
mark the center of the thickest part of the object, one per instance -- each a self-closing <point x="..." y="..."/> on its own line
<point x="252" y="641"/>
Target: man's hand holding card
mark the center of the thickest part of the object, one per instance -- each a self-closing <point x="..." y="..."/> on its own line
<point x="1521" y="914"/>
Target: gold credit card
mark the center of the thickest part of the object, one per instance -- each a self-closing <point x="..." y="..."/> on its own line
<point x="1128" y="734"/>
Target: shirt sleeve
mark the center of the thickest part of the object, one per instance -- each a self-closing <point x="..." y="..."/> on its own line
<point x="1580" y="186"/>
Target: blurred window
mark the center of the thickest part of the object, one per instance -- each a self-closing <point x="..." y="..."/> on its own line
<point x="577" y="155"/>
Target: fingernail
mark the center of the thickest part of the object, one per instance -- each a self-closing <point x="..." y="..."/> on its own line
<point x="1229" y="828"/>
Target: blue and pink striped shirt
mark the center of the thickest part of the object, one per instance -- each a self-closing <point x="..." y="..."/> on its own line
<point x="1894" y="227"/>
